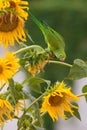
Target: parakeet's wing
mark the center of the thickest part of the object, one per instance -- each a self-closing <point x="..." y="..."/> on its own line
<point x="58" y="37"/>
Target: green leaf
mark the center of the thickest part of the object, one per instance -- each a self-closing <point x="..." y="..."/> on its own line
<point x="84" y="90"/>
<point x="35" y="83"/>
<point x="78" y="70"/>
<point x="68" y="115"/>
<point x="75" y="112"/>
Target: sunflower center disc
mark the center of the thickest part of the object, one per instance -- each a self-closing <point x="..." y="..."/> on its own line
<point x="12" y="4"/>
<point x="55" y="100"/>
<point x="1" y="69"/>
<point x="8" y="22"/>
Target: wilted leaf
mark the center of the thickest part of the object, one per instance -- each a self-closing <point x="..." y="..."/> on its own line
<point x="84" y="90"/>
<point x="78" y="70"/>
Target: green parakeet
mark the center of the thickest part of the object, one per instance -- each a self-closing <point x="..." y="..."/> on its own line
<point x="53" y="39"/>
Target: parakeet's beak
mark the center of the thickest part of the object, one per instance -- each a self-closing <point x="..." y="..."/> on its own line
<point x="62" y="59"/>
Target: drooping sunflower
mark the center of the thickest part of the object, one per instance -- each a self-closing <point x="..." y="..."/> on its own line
<point x="37" y="68"/>
<point x="12" y="20"/>
<point x="58" y="100"/>
<point x="5" y="111"/>
<point x="8" y="67"/>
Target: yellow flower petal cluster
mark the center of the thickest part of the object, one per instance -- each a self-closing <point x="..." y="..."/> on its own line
<point x="8" y="67"/>
<point x="12" y="20"/>
<point x="5" y="111"/>
<point x="37" y="68"/>
<point x="58" y="100"/>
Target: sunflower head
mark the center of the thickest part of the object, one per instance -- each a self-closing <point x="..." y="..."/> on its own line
<point x="12" y="19"/>
<point x="8" y="22"/>
<point x="6" y="111"/>
<point x="8" y="67"/>
<point x="57" y="100"/>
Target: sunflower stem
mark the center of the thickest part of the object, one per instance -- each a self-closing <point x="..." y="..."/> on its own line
<point x="27" y="48"/>
<point x="2" y="86"/>
<point x="59" y="62"/>
<point x="36" y="100"/>
<point x="35" y="121"/>
<point x="82" y="94"/>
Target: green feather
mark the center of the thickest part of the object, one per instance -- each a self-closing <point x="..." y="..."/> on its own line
<point x="53" y="39"/>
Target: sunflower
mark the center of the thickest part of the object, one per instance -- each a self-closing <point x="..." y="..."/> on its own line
<point x="37" y="68"/>
<point x="58" y="100"/>
<point x="5" y="111"/>
<point x="12" y="20"/>
<point x="8" y="67"/>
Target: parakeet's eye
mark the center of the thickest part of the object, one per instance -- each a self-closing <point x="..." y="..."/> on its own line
<point x="61" y="57"/>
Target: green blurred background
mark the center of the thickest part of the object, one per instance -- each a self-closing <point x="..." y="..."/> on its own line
<point x="69" y="18"/>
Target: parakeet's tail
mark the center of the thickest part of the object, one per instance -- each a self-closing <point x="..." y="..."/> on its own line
<point x="36" y="21"/>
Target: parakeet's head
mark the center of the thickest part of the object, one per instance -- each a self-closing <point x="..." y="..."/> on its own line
<point x="60" y="54"/>
<point x="62" y="57"/>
